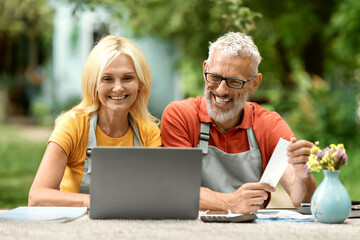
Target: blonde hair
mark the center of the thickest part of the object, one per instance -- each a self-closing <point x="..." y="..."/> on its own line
<point x="101" y="56"/>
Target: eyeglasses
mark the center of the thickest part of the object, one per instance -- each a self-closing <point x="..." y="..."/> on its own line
<point x="230" y="82"/>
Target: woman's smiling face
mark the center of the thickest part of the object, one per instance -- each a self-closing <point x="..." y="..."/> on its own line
<point x="119" y="85"/>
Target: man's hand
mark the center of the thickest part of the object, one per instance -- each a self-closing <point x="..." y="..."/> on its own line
<point x="299" y="186"/>
<point x="298" y="153"/>
<point x="248" y="197"/>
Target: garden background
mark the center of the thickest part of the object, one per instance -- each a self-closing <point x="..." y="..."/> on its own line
<point x="310" y="67"/>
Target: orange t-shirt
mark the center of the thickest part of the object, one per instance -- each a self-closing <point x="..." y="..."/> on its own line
<point x="180" y="127"/>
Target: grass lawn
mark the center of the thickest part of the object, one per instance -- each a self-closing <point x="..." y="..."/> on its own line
<point x="19" y="160"/>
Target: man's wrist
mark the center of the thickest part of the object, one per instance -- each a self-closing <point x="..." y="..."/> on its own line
<point x="211" y="200"/>
<point x="223" y="201"/>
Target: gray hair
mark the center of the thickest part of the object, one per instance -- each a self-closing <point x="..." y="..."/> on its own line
<point x="236" y="44"/>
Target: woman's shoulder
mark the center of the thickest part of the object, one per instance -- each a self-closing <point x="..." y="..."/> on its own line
<point x="145" y="127"/>
<point x="73" y="118"/>
<point x="149" y="133"/>
<point x="72" y="125"/>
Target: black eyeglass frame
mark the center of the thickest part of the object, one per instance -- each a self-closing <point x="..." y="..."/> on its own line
<point x="227" y="78"/>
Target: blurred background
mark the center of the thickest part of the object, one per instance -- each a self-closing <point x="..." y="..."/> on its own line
<point x="310" y="67"/>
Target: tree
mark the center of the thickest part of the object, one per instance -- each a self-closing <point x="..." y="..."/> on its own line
<point x="311" y="55"/>
<point x="25" y="44"/>
<point x="24" y="21"/>
<point x="190" y="25"/>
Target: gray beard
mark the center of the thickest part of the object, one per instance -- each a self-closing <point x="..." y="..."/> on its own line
<point x="220" y="116"/>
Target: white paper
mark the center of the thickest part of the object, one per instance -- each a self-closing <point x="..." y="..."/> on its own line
<point x="270" y="214"/>
<point x="277" y="164"/>
<point x="280" y="214"/>
<point x="45" y="214"/>
<point x="228" y="214"/>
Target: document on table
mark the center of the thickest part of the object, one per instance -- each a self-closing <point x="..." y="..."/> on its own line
<point x="44" y="214"/>
<point x="277" y="164"/>
<point x="270" y="215"/>
<point x="281" y="215"/>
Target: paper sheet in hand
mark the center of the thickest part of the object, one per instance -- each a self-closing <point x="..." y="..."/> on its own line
<point x="44" y="214"/>
<point x="277" y="164"/>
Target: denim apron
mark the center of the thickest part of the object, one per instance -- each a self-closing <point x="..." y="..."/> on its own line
<point x="224" y="172"/>
<point x="85" y="182"/>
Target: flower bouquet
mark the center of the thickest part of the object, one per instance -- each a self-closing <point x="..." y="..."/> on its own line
<point x="330" y="158"/>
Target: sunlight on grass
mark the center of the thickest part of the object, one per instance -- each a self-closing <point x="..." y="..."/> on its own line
<point x="20" y="159"/>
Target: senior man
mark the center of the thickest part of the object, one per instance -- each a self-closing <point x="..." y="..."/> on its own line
<point x="237" y="137"/>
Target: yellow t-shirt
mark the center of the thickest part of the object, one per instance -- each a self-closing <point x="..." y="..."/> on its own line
<point x="72" y="134"/>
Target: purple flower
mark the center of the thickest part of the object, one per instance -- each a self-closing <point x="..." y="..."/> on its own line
<point x="341" y="154"/>
<point x="307" y="170"/>
<point x="335" y="158"/>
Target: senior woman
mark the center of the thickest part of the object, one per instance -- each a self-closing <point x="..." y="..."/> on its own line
<point x="116" y="85"/>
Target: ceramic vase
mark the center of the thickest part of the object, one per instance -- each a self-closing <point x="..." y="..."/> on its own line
<point x="331" y="202"/>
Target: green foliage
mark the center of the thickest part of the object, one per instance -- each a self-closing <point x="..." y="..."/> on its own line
<point x="70" y="103"/>
<point x="25" y="17"/>
<point x="20" y="159"/>
<point x="327" y="116"/>
<point x="45" y="116"/>
<point x="349" y="173"/>
<point x="344" y="26"/>
<point x="25" y="45"/>
<point x="189" y="24"/>
<point x="310" y="66"/>
<point x="41" y="111"/>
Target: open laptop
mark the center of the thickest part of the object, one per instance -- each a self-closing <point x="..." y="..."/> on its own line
<point x="145" y="183"/>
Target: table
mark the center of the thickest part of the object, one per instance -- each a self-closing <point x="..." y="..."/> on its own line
<point x="86" y="228"/>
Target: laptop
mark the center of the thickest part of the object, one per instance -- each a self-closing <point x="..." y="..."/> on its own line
<point x="145" y="183"/>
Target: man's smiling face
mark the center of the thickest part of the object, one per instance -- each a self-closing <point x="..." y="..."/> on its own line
<point x="225" y="103"/>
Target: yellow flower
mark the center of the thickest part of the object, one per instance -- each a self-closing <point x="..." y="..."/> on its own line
<point x="331" y="158"/>
<point x="342" y="147"/>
